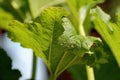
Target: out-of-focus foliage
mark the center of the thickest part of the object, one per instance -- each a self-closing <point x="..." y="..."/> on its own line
<point x="6" y="73"/>
<point x="5" y="17"/>
<point x="40" y="5"/>
<point x="102" y="72"/>
<point x="79" y="11"/>
<point x="109" y="31"/>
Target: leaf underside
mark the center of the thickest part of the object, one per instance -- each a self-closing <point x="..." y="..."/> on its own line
<point x="52" y="37"/>
<point x="108" y="30"/>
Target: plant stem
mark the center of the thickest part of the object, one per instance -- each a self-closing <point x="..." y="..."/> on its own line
<point x="90" y="71"/>
<point x="81" y="29"/>
<point x="53" y="77"/>
<point x="34" y="67"/>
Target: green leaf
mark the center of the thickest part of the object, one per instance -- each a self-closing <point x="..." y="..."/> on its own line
<point x="86" y="6"/>
<point x="80" y="10"/>
<point x="68" y="48"/>
<point x="70" y="39"/>
<point x="22" y="9"/>
<point x="6" y="71"/>
<point x="102" y="72"/>
<point x="52" y="37"/>
<point x="78" y="72"/>
<point x="5" y="18"/>
<point x="75" y="5"/>
<point x="105" y="72"/>
<point x="27" y="36"/>
<point x="109" y="31"/>
<point x="36" y="36"/>
<point x="8" y="6"/>
<point x="118" y="18"/>
<point x="36" y="6"/>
